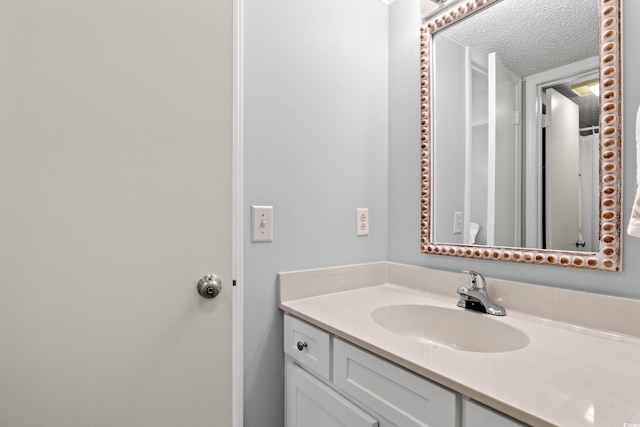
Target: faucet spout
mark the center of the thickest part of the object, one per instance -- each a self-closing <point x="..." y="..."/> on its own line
<point x="476" y="280"/>
<point x="475" y="296"/>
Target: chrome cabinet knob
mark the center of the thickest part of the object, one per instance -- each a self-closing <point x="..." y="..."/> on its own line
<point x="209" y="286"/>
<point x="301" y="345"/>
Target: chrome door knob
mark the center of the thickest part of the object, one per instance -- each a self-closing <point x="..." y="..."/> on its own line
<point x="209" y="286"/>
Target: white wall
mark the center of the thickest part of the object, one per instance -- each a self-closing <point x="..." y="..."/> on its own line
<point x="479" y="179"/>
<point x="404" y="185"/>
<point x="448" y="111"/>
<point x="503" y="141"/>
<point x="315" y="147"/>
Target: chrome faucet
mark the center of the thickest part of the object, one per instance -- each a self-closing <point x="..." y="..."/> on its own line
<point x="475" y="296"/>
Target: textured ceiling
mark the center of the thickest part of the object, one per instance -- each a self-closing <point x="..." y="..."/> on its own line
<point x="531" y="36"/>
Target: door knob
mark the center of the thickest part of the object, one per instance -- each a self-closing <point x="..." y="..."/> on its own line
<point x="209" y="286"/>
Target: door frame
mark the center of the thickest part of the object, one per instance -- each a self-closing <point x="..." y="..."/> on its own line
<point x="533" y="125"/>
<point x="237" y="324"/>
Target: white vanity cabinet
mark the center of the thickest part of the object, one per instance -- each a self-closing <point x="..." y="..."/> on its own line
<point x="330" y="382"/>
<point x="477" y="415"/>
<point x="310" y="403"/>
<point x="402" y="397"/>
<point x="310" y="400"/>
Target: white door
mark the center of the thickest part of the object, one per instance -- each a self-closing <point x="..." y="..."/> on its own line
<point x="115" y="178"/>
<point x="562" y="172"/>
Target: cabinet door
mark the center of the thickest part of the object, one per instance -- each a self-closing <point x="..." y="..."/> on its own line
<point x="309" y="403"/>
<point x="401" y="397"/>
<point x="476" y="415"/>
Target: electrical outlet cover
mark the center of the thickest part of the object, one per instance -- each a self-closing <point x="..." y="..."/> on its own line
<point x="362" y="221"/>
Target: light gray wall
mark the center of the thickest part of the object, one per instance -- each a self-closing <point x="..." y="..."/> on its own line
<point x="315" y="147"/>
<point x="404" y="134"/>
<point x="404" y="183"/>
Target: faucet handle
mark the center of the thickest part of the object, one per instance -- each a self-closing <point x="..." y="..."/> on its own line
<point x="476" y="280"/>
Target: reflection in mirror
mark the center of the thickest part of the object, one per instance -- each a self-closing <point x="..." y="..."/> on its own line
<point x="569" y="171"/>
<point x="514" y="160"/>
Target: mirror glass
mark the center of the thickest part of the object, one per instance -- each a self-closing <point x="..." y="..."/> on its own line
<point x="512" y="141"/>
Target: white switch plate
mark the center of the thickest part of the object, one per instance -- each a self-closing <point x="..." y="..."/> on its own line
<point x="262" y="223"/>
<point x="362" y="221"/>
<point x="457" y="222"/>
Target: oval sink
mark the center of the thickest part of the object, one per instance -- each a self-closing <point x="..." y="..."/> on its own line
<point x="463" y="330"/>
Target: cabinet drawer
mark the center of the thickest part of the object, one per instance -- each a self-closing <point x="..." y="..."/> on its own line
<point x="316" y="354"/>
<point x="402" y="397"/>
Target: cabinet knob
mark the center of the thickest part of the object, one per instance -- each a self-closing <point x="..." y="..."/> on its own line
<point x="301" y="345"/>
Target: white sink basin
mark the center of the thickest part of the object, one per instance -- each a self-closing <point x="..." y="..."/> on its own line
<point x="458" y="329"/>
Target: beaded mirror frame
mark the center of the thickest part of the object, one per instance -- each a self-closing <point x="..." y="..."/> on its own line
<point x="609" y="255"/>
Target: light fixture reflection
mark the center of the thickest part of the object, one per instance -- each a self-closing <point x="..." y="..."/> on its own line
<point x="590" y="415"/>
<point x="591" y="87"/>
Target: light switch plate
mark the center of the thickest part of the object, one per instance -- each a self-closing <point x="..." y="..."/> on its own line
<point x="262" y="223"/>
<point x="457" y="222"/>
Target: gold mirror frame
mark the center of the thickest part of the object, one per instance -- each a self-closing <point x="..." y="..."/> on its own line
<point x="609" y="256"/>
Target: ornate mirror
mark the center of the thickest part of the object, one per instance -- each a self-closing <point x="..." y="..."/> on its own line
<point x="521" y="132"/>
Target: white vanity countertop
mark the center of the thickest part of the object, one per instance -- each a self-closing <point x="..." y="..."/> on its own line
<point x="567" y="376"/>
